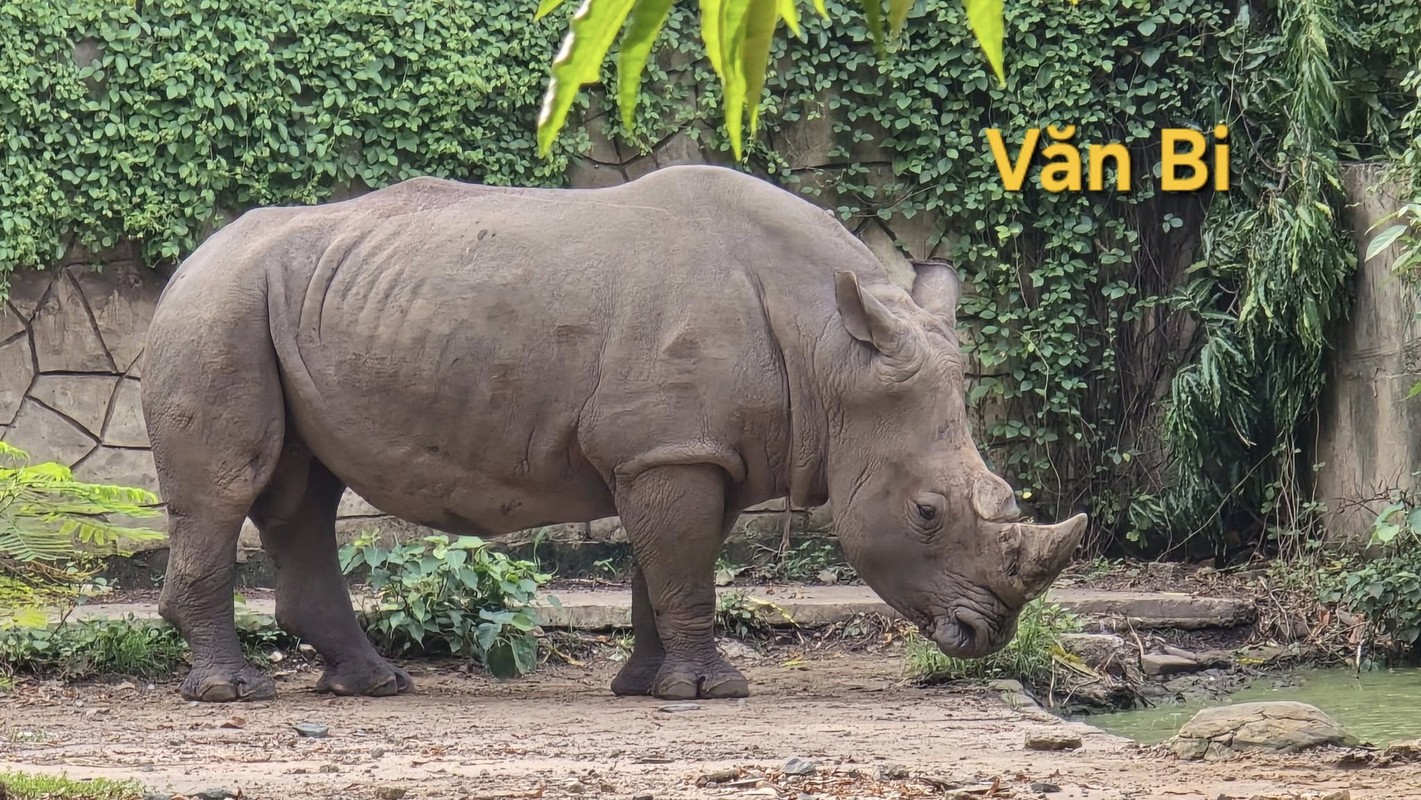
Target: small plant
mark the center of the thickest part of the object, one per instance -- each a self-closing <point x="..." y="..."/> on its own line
<point x="812" y="560"/>
<point x="1030" y="657"/>
<point x="1385" y="591"/>
<point x="435" y="595"/>
<point x="43" y="512"/>
<point x="745" y="617"/>
<point x="26" y="786"/>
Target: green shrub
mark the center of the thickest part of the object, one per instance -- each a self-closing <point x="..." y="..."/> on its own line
<point x="459" y="597"/>
<point x="1030" y="657"/>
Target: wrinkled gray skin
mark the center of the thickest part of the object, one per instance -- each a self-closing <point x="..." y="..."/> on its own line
<point x="482" y="360"/>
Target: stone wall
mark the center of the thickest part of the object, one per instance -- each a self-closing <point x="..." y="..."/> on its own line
<point x="70" y="338"/>
<point x="1368" y="432"/>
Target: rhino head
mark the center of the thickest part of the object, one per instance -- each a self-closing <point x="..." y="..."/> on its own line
<point x="919" y="515"/>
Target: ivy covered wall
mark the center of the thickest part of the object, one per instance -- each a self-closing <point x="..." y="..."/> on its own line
<point x="1145" y="356"/>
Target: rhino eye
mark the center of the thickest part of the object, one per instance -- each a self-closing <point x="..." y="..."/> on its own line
<point x="926" y="512"/>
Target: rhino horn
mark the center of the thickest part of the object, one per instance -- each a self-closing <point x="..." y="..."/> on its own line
<point x="1045" y="551"/>
<point x="937" y="288"/>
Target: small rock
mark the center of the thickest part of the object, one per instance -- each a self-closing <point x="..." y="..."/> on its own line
<point x="721" y="775"/>
<point x="1052" y="740"/>
<point x="215" y="794"/>
<point x="157" y="796"/>
<point x="311" y="730"/>
<point x="1180" y="652"/>
<point x="1409" y="750"/>
<point x="1045" y="788"/>
<point x="390" y="792"/>
<point x="378" y="752"/>
<point x="1164" y="664"/>
<point x="890" y="772"/>
<point x="575" y="787"/>
<point x="234" y="722"/>
<point x="125" y="685"/>
<point x="800" y="766"/>
<point x="328" y="768"/>
<point x="674" y="708"/>
<point x="644" y="797"/>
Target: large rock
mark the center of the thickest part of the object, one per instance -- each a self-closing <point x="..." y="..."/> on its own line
<point x="1284" y="726"/>
<point x="48" y="436"/>
<point x="126" y="427"/>
<point x="82" y="398"/>
<point x="65" y="338"/>
<point x="27" y="288"/>
<point x="17" y="370"/>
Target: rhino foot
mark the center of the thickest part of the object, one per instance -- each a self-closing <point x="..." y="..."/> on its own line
<point x="226" y="685"/>
<point x="369" y="679"/>
<point x="637" y="677"/>
<point x="689" y="681"/>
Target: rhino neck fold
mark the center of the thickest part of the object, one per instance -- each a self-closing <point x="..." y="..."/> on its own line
<point x="794" y="338"/>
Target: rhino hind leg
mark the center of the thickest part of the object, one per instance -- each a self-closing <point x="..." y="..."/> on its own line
<point x="213" y="409"/>
<point x="675" y="518"/>
<point x="296" y="517"/>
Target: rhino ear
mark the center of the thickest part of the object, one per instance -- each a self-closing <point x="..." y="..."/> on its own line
<point x="865" y="318"/>
<point x="937" y="289"/>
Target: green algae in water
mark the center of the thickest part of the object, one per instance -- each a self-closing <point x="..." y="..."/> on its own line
<point x="1380" y="706"/>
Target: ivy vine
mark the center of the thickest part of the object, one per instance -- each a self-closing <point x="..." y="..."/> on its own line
<point x="1143" y="355"/>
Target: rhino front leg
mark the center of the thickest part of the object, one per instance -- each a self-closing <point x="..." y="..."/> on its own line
<point x="675" y="519"/>
<point x="638" y="675"/>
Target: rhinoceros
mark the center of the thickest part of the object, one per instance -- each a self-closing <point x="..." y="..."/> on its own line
<point x="481" y="360"/>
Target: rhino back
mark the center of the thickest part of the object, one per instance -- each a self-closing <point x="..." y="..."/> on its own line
<point x="485" y="359"/>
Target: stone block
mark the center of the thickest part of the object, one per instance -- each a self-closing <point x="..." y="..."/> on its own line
<point x="83" y="398"/>
<point x="65" y="339"/>
<point x="126" y="426"/>
<point x="585" y="174"/>
<point x="1166" y="664"/>
<point x="353" y="505"/>
<point x="608" y="530"/>
<point x="122" y="466"/>
<point x="819" y="518"/>
<point x="10" y="322"/>
<point x="680" y="148"/>
<point x="881" y="243"/>
<point x="17" y="371"/>
<point x="603" y="148"/>
<point x="639" y="166"/>
<point x="48" y="436"/>
<point x="122" y="297"/>
<point x="28" y="288"/>
<point x="810" y="141"/>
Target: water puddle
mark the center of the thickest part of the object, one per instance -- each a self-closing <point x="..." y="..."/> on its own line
<point x="1381" y="706"/>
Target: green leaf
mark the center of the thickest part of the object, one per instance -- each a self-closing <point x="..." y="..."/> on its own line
<point x="648" y="17"/>
<point x="898" y="11"/>
<point x="986" y="19"/>
<point x="1384" y="240"/>
<point x="545" y="8"/>
<point x="593" y="29"/>
<point x="761" y="24"/>
<point x="873" y="15"/>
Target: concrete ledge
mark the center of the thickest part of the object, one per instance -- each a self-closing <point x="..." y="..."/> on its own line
<point x="813" y="606"/>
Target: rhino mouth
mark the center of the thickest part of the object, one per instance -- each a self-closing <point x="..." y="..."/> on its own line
<point x="965" y="634"/>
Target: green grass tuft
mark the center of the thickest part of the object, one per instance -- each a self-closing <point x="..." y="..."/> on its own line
<point x="25" y="786"/>
<point x="1029" y="657"/>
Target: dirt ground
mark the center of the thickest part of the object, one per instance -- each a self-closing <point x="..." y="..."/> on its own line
<point x="560" y="734"/>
